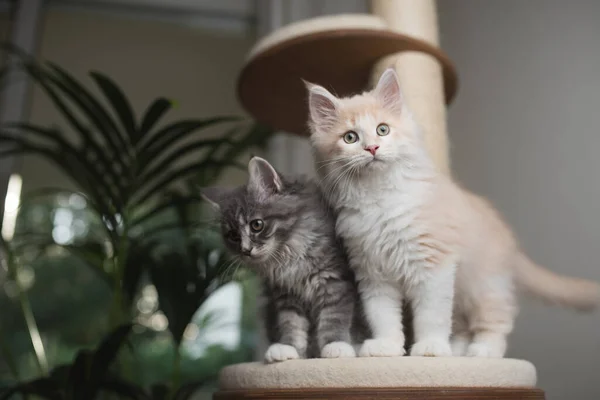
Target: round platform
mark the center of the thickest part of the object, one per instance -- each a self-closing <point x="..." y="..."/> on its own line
<point x="412" y="372"/>
<point x="336" y="51"/>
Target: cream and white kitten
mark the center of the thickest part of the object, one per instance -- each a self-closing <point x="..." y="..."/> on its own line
<point x="413" y="234"/>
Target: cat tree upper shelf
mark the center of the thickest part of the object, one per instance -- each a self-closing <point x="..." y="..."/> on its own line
<point x="339" y="52"/>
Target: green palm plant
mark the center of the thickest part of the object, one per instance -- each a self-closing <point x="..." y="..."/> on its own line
<point x="86" y="377"/>
<point x="139" y="178"/>
<point x="125" y="167"/>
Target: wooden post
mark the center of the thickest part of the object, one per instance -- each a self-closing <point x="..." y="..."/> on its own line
<point x="420" y="74"/>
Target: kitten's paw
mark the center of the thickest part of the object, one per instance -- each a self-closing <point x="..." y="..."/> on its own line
<point x="382" y="348"/>
<point x="280" y="352"/>
<point x="484" y="350"/>
<point x="459" y="345"/>
<point x="338" y="350"/>
<point x="431" y="348"/>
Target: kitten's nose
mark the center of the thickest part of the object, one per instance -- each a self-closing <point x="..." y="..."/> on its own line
<point x="372" y="149"/>
<point x="247" y="252"/>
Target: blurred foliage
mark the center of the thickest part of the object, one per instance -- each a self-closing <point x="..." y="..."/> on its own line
<point x="130" y="253"/>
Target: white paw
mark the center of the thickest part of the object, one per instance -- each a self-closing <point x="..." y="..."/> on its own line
<point x="338" y="350"/>
<point x="484" y="350"/>
<point x="382" y="348"/>
<point x="431" y="348"/>
<point x="280" y="352"/>
<point x="459" y="345"/>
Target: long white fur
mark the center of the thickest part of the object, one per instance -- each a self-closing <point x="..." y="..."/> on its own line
<point x="414" y="234"/>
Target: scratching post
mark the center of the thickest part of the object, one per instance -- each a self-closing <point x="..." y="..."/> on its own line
<point x="420" y="74"/>
<point x="346" y="54"/>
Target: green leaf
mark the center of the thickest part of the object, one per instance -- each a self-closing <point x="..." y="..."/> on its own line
<point x="183" y="282"/>
<point x="69" y="162"/>
<point x="171" y="177"/>
<point x="60" y="374"/>
<point x="177" y="131"/>
<point x="108" y="350"/>
<point x="95" y="113"/>
<point x="113" y="187"/>
<point x="138" y="259"/>
<point x="8" y="357"/>
<point x="165" y="205"/>
<point x="186" y="391"/>
<point x="159" y="391"/>
<point x="256" y="136"/>
<point x="92" y="254"/>
<point x="168" y="161"/>
<point x="153" y="114"/>
<point x="79" y="385"/>
<point x="118" y="101"/>
<point x="123" y="389"/>
<point x="45" y="388"/>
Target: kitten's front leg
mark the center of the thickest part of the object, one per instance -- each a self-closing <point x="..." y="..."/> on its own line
<point x="292" y="331"/>
<point x="335" y="320"/>
<point x="432" y="308"/>
<point x="383" y="309"/>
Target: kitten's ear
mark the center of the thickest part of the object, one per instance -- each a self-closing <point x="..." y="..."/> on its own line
<point x="388" y="90"/>
<point x="264" y="180"/>
<point x="216" y="196"/>
<point x="321" y="104"/>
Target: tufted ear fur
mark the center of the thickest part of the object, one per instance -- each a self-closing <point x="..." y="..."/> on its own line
<point x="264" y="180"/>
<point x="322" y="105"/>
<point x="388" y="90"/>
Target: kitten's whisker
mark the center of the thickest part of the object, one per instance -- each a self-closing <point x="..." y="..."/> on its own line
<point x="334" y="161"/>
<point x="331" y="160"/>
<point x="348" y="162"/>
<point x="348" y="168"/>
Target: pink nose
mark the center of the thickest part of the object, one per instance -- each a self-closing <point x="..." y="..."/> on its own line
<point x="372" y="149"/>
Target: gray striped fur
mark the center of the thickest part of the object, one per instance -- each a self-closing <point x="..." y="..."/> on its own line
<point x="311" y="294"/>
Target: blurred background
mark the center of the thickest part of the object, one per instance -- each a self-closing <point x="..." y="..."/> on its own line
<point x="523" y="132"/>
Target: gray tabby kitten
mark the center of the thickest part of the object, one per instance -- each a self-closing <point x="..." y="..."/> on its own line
<point x="284" y="231"/>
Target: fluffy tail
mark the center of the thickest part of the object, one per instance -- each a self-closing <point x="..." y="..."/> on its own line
<point x="575" y="293"/>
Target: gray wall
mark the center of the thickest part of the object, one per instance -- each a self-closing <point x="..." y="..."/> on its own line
<point x="524" y="132"/>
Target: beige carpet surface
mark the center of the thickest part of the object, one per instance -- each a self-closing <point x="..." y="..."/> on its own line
<point x="381" y="372"/>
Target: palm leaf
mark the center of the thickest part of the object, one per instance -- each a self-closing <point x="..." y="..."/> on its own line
<point x="66" y="162"/>
<point x="175" y="132"/>
<point x="78" y="385"/>
<point x="155" y="112"/>
<point x="45" y="388"/>
<point x="123" y="389"/>
<point x="95" y="112"/>
<point x="172" y="176"/>
<point x="165" y="205"/>
<point x="119" y="103"/>
<point x="92" y="254"/>
<point x="107" y="350"/>
<point x="103" y="172"/>
<point x="186" y="391"/>
<point x="8" y="357"/>
<point x="176" y="155"/>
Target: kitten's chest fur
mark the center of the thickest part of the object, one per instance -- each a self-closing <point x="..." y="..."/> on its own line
<point x="305" y="277"/>
<point x="378" y="224"/>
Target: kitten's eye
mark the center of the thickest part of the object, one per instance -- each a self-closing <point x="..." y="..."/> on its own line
<point x="383" y="129"/>
<point x="257" y="225"/>
<point x="350" y="137"/>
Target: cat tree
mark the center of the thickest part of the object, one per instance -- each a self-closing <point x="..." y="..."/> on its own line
<point x="346" y="54"/>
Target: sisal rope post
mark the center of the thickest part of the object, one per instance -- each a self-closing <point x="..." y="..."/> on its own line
<point x="420" y="74"/>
